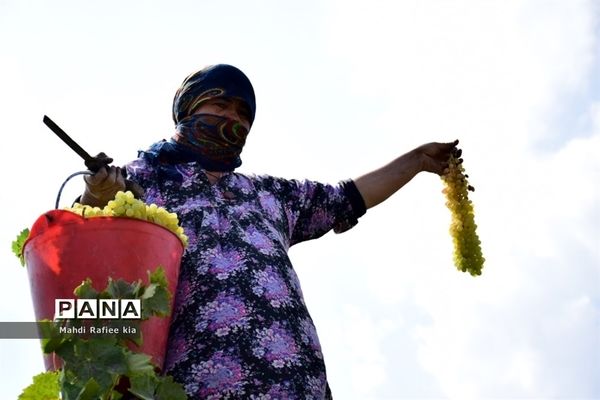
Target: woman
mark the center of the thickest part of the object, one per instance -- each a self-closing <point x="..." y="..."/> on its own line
<point x="240" y="326"/>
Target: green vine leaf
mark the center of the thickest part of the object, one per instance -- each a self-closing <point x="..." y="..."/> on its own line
<point x="139" y="363"/>
<point x="45" y="386"/>
<point x="149" y="291"/>
<point x="121" y="289"/>
<point x="114" y="395"/>
<point x="134" y="336"/>
<point x="18" y="243"/>
<point x="159" y="277"/>
<point x="168" y="389"/>
<point x="98" y="358"/>
<point x="143" y="386"/>
<point x="94" y="366"/>
<point x="52" y="339"/>
<point x="69" y="390"/>
<point x="158" y="304"/>
<point x="156" y="298"/>
<point x="90" y="391"/>
<point x="86" y="290"/>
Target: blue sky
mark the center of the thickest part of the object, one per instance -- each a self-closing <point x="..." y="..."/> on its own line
<point x="344" y="87"/>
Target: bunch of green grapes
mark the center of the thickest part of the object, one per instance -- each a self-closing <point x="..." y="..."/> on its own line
<point x="467" y="246"/>
<point x="126" y="205"/>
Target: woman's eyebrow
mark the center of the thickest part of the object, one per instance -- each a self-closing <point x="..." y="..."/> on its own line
<point x="245" y="110"/>
<point x="217" y="101"/>
<point x="243" y="107"/>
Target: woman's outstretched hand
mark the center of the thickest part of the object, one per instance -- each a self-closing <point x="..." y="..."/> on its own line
<point x="434" y="156"/>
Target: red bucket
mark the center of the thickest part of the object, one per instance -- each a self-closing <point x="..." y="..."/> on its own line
<point x="64" y="249"/>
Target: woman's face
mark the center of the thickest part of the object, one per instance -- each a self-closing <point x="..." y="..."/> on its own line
<point x="234" y="109"/>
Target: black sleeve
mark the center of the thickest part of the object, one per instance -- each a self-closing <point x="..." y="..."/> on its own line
<point x="355" y="198"/>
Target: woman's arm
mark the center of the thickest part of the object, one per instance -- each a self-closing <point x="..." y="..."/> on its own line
<point x="378" y="185"/>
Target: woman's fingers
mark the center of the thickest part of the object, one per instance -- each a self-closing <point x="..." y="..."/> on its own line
<point x="97" y="178"/>
<point x="106" y="178"/>
<point x="119" y="178"/>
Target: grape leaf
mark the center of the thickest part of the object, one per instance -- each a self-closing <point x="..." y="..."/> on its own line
<point x="133" y="334"/>
<point x="158" y="304"/>
<point x="99" y="358"/>
<point x="169" y="389"/>
<point x="86" y="290"/>
<point x="143" y="386"/>
<point x="92" y="367"/>
<point x="69" y="390"/>
<point x="139" y="363"/>
<point x="52" y="338"/>
<point x="159" y="277"/>
<point x="121" y="289"/>
<point x="156" y="296"/>
<point x="114" y="395"/>
<point x="44" y="386"/>
<point x="18" y="243"/>
<point x="149" y="291"/>
<point x="90" y="391"/>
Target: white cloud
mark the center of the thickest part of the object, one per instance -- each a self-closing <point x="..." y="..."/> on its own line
<point x="491" y="74"/>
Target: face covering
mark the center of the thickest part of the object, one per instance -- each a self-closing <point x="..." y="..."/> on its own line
<point x="216" y="141"/>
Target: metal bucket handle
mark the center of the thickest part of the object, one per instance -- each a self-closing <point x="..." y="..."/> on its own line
<point x="65" y="182"/>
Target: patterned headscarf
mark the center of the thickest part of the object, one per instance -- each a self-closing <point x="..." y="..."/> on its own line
<point x="219" y="80"/>
<point x="194" y="138"/>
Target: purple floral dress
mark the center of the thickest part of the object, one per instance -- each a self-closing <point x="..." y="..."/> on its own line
<point x="240" y="327"/>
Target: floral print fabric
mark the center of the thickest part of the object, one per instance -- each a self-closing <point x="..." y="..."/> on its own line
<point x="240" y="327"/>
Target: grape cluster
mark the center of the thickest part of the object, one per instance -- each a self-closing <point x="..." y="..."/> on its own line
<point x="126" y="205"/>
<point x="467" y="247"/>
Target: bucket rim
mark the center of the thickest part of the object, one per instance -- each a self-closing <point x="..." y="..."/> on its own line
<point x="78" y="219"/>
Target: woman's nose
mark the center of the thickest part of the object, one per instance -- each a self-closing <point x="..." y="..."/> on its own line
<point x="234" y="113"/>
